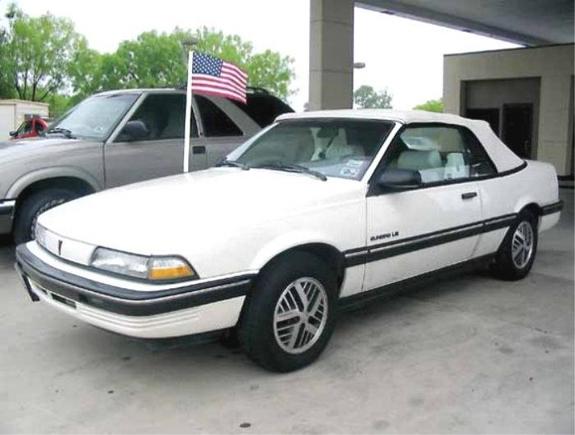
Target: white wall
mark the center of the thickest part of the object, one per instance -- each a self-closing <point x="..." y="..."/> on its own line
<point x="6" y="120"/>
<point x="552" y="64"/>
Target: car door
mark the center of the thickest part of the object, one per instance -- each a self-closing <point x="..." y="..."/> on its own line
<point x="418" y="230"/>
<point x="223" y="128"/>
<point x="157" y="154"/>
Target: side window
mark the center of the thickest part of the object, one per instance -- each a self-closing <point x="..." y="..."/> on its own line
<point x="263" y="108"/>
<point x="439" y="153"/>
<point x="25" y="127"/>
<point x="164" y="117"/>
<point x="214" y="120"/>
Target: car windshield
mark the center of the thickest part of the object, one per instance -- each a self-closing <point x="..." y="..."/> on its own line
<point x="95" y="117"/>
<point x="332" y="147"/>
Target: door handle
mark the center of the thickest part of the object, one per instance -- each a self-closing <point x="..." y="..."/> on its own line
<point x="468" y="195"/>
<point x="199" y="149"/>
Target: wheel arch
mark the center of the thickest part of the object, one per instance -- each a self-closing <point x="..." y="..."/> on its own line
<point x="71" y="178"/>
<point x="532" y="207"/>
<point x="37" y="184"/>
<point x="323" y="250"/>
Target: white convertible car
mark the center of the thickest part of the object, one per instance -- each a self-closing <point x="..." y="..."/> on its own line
<point x="319" y="211"/>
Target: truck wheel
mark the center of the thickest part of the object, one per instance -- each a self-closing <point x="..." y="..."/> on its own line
<point x="291" y="314"/>
<point x="517" y="252"/>
<point x="37" y="203"/>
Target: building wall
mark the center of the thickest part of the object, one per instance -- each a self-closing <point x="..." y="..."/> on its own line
<point x="495" y="94"/>
<point x="552" y="65"/>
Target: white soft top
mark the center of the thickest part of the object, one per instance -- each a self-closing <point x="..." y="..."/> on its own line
<point x="501" y="155"/>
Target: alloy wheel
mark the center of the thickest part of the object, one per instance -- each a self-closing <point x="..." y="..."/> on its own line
<point x="300" y="315"/>
<point x="522" y="245"/>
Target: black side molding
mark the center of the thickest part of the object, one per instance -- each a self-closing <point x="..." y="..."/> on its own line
<point x="357" y="256"/>
<point x="552" y="208"/>
<point x="359" y="299"/>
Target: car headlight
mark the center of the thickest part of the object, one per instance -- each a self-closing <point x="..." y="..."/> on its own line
<point x="138" y="266"/>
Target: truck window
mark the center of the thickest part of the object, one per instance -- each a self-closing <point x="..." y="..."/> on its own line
<point x="214" y="120"/>
<point x="164" y="116"/>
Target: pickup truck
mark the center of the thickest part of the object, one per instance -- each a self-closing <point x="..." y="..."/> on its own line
<point x="31" y="127"/>
<point x="120" y="137"/>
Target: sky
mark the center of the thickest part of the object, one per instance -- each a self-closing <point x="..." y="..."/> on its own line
<point x="401" y="55"/>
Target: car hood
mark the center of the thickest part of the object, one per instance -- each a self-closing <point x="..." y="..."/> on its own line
<point x="32" y="149"/>
<point x="157" y="216"/>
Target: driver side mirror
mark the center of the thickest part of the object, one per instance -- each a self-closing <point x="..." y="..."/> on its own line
<point x="399" y="179"/>
<point x="135" y="130"/>
<point x="13" y="133"/>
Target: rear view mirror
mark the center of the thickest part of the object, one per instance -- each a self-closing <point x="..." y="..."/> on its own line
<point x="398" y="179"/>
<point x="135" y="130"/>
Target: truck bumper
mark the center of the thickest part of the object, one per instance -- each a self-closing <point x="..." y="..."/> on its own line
<point x="158" y="314"/>
<point x="7" y="208"/>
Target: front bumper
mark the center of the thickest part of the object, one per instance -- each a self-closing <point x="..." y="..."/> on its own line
<point x="192" y="309"/>
<point x="7" y="208"/>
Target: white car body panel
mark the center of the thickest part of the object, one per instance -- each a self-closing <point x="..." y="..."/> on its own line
<point x="229" y="223"/>
<point x="422" y="207"/>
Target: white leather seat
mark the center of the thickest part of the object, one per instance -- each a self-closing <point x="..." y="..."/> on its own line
<point x="428" y="163"/>
<point x="455" y="167"/>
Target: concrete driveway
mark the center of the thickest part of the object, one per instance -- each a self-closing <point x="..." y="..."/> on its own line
<point x="471" y="354"/>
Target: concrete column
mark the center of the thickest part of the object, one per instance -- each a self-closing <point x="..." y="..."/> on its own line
<point x="331" y="54"/>
<point x="554" y="145"/>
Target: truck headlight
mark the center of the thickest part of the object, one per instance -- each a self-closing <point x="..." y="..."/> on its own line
<point x="138" y="266"/>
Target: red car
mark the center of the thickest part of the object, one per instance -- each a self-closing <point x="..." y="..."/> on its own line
<point x="30" y="128"/>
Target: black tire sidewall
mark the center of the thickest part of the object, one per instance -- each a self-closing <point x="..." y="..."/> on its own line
<point x="504" y="265"/>
<point x="256" y="328"/>
<point x="33" y="206"/>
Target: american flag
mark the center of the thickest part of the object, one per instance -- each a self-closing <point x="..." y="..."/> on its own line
<point x="213" y="76"/>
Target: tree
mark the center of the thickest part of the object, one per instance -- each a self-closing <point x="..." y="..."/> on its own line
<point x="156" y="60"/>
<point x="44" y="59"/>
<point x="37" y="53"/>
<point x="366" y="97"/>
<point x="6" y="88"/>
<point x="431" y="106"/>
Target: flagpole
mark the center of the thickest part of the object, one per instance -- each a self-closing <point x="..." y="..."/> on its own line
<point x="188" y="124"/>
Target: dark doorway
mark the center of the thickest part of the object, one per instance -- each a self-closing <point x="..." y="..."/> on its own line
<point x="518" y="128"/>
<point x="489" y="115"/>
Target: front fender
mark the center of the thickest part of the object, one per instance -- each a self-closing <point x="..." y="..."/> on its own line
<point x="288" y="241"/>
<point x="52" y="172"/>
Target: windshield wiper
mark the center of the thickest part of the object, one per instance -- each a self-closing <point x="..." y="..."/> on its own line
<point x="292" y="167"/>
<point x="233" y="164"/>
<point x="64" y="131"/>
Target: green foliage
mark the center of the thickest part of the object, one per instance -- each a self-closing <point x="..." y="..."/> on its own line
<point x="431" y="106"/>
<point x="365" y="97"/>
<point x="157" y="60"/>
<point x="36" y="54"/>
<point x="59" y="104"/>
<point x="44" y="59"/>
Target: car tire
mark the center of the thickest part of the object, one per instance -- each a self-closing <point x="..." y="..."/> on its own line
<point x="283" y="329"/>
<point x="33" y="206"/>
<point x="517" y="252"/>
